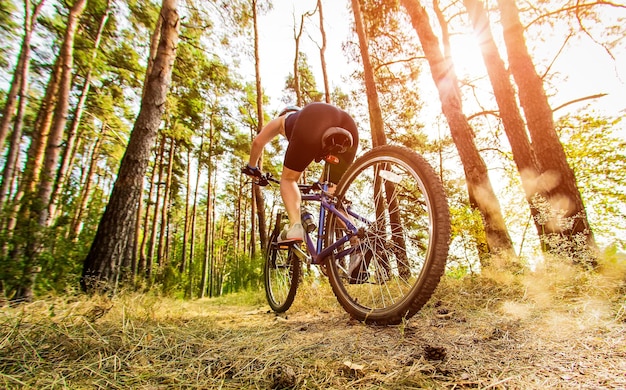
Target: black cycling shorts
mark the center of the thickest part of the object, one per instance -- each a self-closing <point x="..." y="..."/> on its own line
<point x="304" y="130"/>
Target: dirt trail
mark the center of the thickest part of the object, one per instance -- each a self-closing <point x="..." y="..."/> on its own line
<point x="473" y="334"/>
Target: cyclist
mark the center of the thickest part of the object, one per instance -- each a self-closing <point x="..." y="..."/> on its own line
<point x="303" y="128"/>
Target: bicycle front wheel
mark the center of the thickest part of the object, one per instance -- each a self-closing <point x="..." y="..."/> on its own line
<point x="396" y="200"/>
<point x="281" y="275"/>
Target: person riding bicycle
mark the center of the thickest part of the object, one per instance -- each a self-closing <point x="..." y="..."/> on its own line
<point x="311" y="131"/>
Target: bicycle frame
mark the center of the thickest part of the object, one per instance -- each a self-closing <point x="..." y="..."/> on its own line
<point x="316" y="250"/>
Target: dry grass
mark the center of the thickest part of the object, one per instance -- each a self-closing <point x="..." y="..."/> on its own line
<point x="556" y="328"/>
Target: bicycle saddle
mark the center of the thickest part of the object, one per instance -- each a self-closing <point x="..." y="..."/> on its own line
<point x="335" y="140"/>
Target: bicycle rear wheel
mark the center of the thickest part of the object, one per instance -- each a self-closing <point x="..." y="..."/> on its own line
<point x="281" y="275"/>
<point x="396" y="200"/>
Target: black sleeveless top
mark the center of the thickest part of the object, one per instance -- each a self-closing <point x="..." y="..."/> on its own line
<point x="290" y="121"/>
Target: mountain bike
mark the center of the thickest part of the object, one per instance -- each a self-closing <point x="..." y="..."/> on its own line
<point x="389" y="215"/>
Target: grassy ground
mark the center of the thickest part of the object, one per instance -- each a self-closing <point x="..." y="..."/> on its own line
<point x="557" y="328"/>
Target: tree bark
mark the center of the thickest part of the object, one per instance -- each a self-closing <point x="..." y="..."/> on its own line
<point x="19" y="85"/>
<point x="194" y="213"/>
<point x="258" y="194"/>
<point x="21" y="69"/>
<point x="562" y="205"/>
<point x="73" y="130"/>
<point x="323" y="53"/>
<point x="36" y="206"/>
<point x="183" y="257"/>
<point x="109" y="245"/>
<point x="373" y="103"/>
<point x="12" y="158"/>
<point x="512" y="120"/>
<point x="161" y="249"/>
<point x="479" y="187"/>
<point x="55" y="138"/>
<point x="86" y="187"/>
<point x="152" y="243"/>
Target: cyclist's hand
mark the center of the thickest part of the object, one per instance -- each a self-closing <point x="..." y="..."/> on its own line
<point x="263" y="180"/>
<point x="259" y="177"/>
<point x="252" y="171"/>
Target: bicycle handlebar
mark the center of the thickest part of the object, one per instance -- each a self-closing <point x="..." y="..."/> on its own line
<point x="267" y="178"/>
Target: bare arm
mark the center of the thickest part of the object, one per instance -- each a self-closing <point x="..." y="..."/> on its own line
<point x="268" y="132"/>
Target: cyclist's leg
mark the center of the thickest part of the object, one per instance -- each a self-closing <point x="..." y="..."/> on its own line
<point x="292" y="200"/>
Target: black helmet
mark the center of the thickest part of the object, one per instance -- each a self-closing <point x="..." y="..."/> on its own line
<point x="289" y="109"/>
<point x="336" y="140"/>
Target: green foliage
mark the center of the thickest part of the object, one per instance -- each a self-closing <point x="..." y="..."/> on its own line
<point x="598" y="157"/>
<point x="8" y="32"/>
<point x="308" y="85"/>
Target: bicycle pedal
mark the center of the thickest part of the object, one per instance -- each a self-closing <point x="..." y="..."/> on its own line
<point x="287" y="244"/>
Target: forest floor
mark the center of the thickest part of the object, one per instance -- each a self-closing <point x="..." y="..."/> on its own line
<point x="550" y="329"/>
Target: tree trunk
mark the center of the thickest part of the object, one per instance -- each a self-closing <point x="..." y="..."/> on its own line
<point x="207" y="219"/>
<point x="38" y="207"/>
<point x="373" y="103"/>
<point x="12" y="158"/>
<point x="183" y="257"/>
<point x="512" y="120"/>
<point x="377" y="130"/>
<point x="258" y="194"/>
<point x="21" y="70"/>
<point x="101" y="264"/>
<point x="192" y="239"/>
<point x="55" y="138"/>
<point x="86" y="187"/>
<point x="212" y="227"/>
<point x="161" y="250"/>
<point x="563" y="205"/>
<point x="194" y="213"/>
<point x="11" y="101"/>
<point x="206" y="274"/>
<point x="480" y="191"/>
<point x="152" y="243"/>
<point x="323" y="53"/>
<point x="72" y="133"/>
<point x="296" y="61"/>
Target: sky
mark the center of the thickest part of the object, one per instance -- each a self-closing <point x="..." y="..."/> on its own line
<point x="586" y="68"/>
<point x="277" y="44"/>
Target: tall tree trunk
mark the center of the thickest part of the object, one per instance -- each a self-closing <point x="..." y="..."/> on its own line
<point x="566" y="213"/>
<point x="161" y="250"/>
<point x="12" y="158"/>
<point x="480" y="191"/>
<point x="192" y="238"/>
<point x="258" y="194"/>
<point x="212" y="227"/>
<point x="512" y="120"/>
<point x="207" y="220"/>
<point x="11" y="101"/>
<point x="323" y="53"/>
<point x="152" y="243"/>
<point x="21" y="69"/>
<point x="72" y="133"/>
<point x="21" y="73"/>
<point x="86" y="187"/>
<point x="112" y="237"/>
<point x="183" y="251"/>
<point x="38" y="206"/>
<point x="142" y="267"/>
<point x="296" y="61"/>
<point x="378" y="134"/>
<point x="55" y="138"/>
<point x="373" y="103"/>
